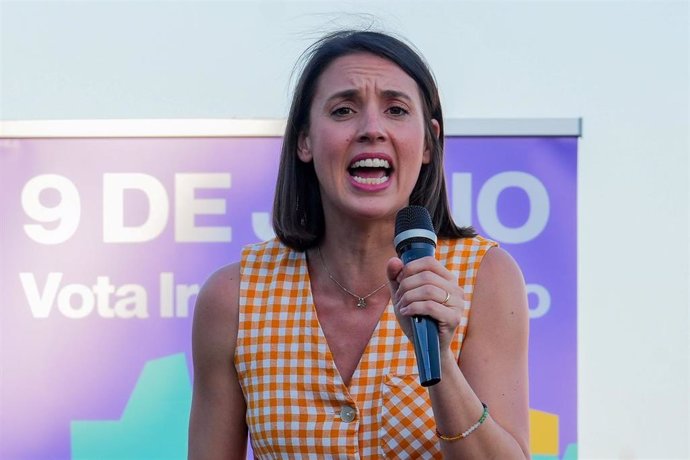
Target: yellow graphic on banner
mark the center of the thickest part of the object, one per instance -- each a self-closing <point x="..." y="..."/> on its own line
<point x="543" y="433"/>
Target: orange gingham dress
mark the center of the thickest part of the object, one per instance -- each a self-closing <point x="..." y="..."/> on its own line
<point x="297" y="404"/>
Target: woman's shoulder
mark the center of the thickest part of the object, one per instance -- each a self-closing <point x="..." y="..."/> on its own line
<point x="492" y="261"/>
<point x="500" y="286"/>
<point x="218" y="298"/>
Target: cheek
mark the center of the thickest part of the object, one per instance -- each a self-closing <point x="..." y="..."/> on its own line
<point x="333" y="146"/>
<point x="417" y="147"/>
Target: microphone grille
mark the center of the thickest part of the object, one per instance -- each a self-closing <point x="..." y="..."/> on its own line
<point x="413" y="217"/>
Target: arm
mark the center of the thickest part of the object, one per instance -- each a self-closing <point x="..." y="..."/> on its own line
<point x="217" y="427"/>
<point x="493" y="365"/>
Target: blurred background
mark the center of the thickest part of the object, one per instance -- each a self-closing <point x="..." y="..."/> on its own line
<point x="624" y="67"/>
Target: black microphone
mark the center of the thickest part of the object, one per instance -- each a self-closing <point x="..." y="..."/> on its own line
<point x="414" y="239"/>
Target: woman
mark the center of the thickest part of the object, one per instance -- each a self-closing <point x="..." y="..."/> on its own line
<point x="306" y="343"/>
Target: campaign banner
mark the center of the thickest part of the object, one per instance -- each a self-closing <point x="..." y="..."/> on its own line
<point x="105" y="243"/>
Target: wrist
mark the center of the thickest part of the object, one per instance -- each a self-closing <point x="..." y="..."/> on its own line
<point x="448" y="358"/>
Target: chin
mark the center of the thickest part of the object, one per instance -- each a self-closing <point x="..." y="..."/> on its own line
<point x="379" y="211"/>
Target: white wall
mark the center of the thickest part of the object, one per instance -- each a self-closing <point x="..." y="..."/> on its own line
<point x="623" y="67"/>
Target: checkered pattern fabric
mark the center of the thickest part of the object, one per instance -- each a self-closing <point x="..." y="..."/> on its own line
<point x="297" y="404"/>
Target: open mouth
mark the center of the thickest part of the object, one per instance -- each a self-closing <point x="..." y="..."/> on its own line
<point x="371" y="171"/>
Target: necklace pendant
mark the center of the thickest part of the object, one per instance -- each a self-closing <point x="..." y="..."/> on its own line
<point x="361" y="303"/>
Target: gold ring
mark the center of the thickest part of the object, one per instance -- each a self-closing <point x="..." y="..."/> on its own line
<point x="445" y="301"/>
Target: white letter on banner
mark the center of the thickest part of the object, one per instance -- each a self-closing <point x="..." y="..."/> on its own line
<point x="114" y="185"/>
<point x="102" y="290"/>
<point x="543" y="300"/>
<point x="183" y="294"/>
<point x="187" y="208"/>
<point x="166" y="294"/>
<point x="487" y="209"/>
<point x="462" y="199"/>
<point x="67" y="211"/>
<point x="65" y="301"/>
<point x="263" y="229"/>
<point x="137" y="300"/>
<point x="40" y="304"/>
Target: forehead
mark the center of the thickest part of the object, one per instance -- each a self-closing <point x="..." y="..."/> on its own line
<point x="355" y="71"/>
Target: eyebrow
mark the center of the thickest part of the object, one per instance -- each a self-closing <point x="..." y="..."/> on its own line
<point x="393" y="94"/>
<point x="354" y="93"/>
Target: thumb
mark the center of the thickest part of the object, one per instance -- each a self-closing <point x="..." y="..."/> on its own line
<point x="393" y="270"/>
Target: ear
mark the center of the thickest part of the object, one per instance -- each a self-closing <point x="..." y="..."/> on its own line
<point x="303" y="151"/>
<point x="426" y="159"/>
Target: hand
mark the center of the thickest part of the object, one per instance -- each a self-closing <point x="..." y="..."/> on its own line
<point x="420" y="288"/>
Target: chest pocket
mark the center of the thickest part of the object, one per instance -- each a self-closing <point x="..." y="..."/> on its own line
<point x="406" y="419"/>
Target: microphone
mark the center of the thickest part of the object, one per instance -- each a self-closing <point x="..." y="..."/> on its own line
<point x="414" y="239"/>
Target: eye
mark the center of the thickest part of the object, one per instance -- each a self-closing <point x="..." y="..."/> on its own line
<point x="342" y="111"/>
<point x="397" y="110"/>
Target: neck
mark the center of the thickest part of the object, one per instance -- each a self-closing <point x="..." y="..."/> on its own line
<point x="354" y="260"/>
<point x="358" y="252"/>
<point x="361" y="298"/>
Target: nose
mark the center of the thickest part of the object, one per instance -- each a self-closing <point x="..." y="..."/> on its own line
<point x="371" y="127"/>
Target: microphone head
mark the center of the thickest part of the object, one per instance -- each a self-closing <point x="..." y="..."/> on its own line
<point x="412" y="224"/>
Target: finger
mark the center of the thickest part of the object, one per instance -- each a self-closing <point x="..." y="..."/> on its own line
<point x="433" y="295"/>
<point x="440" y="313"/>
<point x="446" y="299"/>
<point x="429" y="264"/>
<point x="425" y="306"/>
<point x="394" y="268"/>
<point x="423" y="292"/>
<point x="433" y="286"/>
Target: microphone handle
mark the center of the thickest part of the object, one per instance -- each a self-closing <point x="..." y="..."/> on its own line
<point x="424" y="328"/>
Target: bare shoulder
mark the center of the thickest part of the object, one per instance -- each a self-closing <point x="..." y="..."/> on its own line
<point x="220" y="292"/>
<point x="499" y="301"/>
<point x="499" y="265"/>
<point x="217" y="308"/>
<point x="500" y="283"/>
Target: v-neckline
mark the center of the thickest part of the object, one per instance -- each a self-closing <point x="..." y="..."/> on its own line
<point x="304" y="269"/>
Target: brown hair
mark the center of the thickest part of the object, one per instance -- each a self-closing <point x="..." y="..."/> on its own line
<point x="298" y="218"/>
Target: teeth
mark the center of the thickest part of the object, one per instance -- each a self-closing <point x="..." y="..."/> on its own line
<point x="370" y="180"/>
<point x="371" y="163"/>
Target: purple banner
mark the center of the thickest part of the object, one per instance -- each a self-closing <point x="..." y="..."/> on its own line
<point x="105" y="243"/>
<point x="522" y="193"/>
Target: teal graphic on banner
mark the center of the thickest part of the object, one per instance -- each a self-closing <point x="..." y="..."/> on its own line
<point x="154" y="423"/>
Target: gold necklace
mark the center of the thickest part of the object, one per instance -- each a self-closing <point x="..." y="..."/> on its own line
<point x="361" y="300"/>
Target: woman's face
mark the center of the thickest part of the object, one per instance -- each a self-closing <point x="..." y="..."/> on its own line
<point x="366" y="136"/>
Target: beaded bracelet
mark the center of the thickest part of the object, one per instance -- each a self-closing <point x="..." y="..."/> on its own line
<point x="469" y="431"/>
